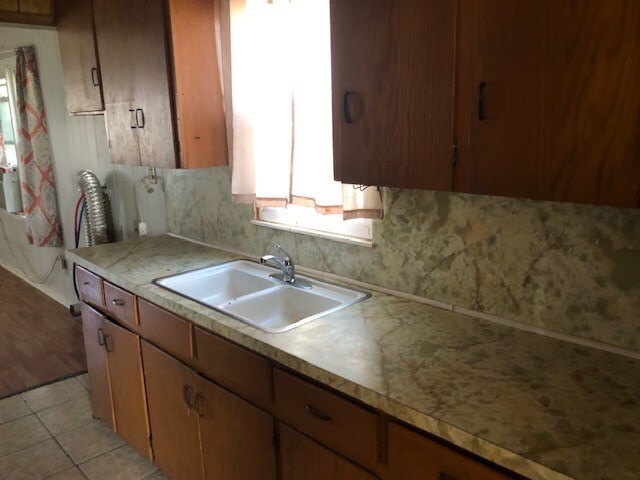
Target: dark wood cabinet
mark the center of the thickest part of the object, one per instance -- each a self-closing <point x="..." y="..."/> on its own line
<point x="413" y="456"/>
<point x="303" y="459"/>
<point x="128" y="395"/>
<point x="98" y="371"/>
<point x="161" y="82"/>
<point x="78" y="56"/>
<point x="393" y="92"/>
<point x="201" y="430"/>
<point x="555" y="108"/>
<point x="237" y="438"/>
<point x="115" y="375"/>
<point x="174" y="422"/>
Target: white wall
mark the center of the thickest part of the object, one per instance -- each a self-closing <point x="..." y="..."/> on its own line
<point x="78" y="143"/>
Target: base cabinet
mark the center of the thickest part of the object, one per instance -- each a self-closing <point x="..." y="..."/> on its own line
<point x="115" y="375"/>
<point x="98" y="371"/>
<point x="201" y="430"/>
<point x="174" y="422"/>
<point x="304" y="459"/>
<point x="223" y="412"/>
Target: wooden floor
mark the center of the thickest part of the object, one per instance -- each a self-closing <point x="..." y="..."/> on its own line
<point x="39" y="341"/>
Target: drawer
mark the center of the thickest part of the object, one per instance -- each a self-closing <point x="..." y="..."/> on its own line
<point x="89" y="287"/>
<point x="120" y="304"/>
<point x="332" y="420"/>
<point x="233" y="367"/>
<point x="413" y="456"/>
<point x="164" y="329"/>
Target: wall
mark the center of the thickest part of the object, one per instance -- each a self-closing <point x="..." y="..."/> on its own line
<point x="78" y="143"/>
<point x="570" y="268"/>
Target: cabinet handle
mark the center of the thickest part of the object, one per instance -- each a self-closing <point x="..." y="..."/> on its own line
<point x="345" y="107"/>
<point x="94" y="77"/>
<point x="187" y="393"/>
<point x="482" y="103"/>
<point x="101" y="337"/>
<point x="140" y="118"/>
<point x="86" y="283"/>
<point x="318" y="414"/>
<point x="106" y="343"/>
<point x="133" y="118"/>
<point x="117" y="302"/>
<point x="197" y="405"/>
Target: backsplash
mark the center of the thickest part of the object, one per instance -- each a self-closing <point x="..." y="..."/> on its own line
<point x="570" y="268"/>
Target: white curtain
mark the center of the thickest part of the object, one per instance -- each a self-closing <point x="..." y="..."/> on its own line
<point x="282" y="119"/>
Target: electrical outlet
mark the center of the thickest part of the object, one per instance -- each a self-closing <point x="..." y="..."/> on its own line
<point x="142" y="230"/>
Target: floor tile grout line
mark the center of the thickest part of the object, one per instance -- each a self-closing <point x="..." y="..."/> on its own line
<point x="58" y="404"/>
<point x="25" y="448"/>
<point x="59" y="446"/>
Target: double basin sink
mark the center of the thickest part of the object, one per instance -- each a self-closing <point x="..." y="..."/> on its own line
<point x="245" y="291"/>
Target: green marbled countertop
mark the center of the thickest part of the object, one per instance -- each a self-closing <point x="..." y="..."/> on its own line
<point x="541" y="407"/>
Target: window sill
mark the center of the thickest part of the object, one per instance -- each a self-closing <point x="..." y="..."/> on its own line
<point x="315" y="233"/>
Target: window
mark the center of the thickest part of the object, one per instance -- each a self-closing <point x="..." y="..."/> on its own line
<point x="8" y="134"/>
<point x="282" y="110"/>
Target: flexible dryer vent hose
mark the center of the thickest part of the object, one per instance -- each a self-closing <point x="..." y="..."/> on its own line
<point x="96" y="226"/>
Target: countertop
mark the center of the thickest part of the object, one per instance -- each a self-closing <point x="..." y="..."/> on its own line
<point x="541" y="407"/>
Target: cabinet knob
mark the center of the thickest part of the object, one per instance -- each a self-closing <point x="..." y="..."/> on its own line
<point x="117" y="302"/>
<point x="311" y="410"/>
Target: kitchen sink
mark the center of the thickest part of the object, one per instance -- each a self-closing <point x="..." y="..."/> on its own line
<point x="245" y="291"/>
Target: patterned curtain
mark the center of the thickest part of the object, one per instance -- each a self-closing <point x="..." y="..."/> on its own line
<point x="34" y="152"/>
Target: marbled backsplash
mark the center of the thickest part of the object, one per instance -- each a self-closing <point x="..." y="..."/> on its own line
<point x="570" y="268"/>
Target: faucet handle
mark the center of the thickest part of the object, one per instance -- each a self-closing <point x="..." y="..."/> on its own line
<point x="287" y="258"/>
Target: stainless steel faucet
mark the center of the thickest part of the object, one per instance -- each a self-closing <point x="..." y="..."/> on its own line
<point x="288" y="268"/>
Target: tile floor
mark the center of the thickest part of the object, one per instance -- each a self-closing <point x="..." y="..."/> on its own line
<point x="50" y="433"/>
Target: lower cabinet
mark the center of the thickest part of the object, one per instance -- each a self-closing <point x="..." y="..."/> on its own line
<point x="304" y="459"/>
<point x="201" y="430"/>
<point x="174" y="422"/>
<point x="116" y="378"/>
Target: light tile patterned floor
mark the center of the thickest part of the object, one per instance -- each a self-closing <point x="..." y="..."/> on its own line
<point x="49" y="433"/>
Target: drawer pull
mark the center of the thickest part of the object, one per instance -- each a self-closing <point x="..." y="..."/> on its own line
<point x="117" y="302"/>
<point x="318" y="414"/>
<point x="187" y="393"/>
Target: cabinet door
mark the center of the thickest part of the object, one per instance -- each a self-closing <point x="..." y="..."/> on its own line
<point x="198" y="86"/>
<point x="93" y="330"/>
<point x="174" y="421"/>
<point x="237" y="438"/>
<point x="78" y="56"/>
<point x="116" y="26"/>
<point x="555" y="100"/>
<point x="303" y="459"/>
<point x="151" y="84"/>
<point x="393" y="91"/>
<point x="127" y="386"/>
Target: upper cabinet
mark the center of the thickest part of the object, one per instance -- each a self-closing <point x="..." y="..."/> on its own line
<point x="78" y="55"/>
<point x="161" y="82"/>
<point x="533" y="99"/>
<point x="29" y="12"/>
<point x="554" y="100"/>
<point x="393" y="92"/>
